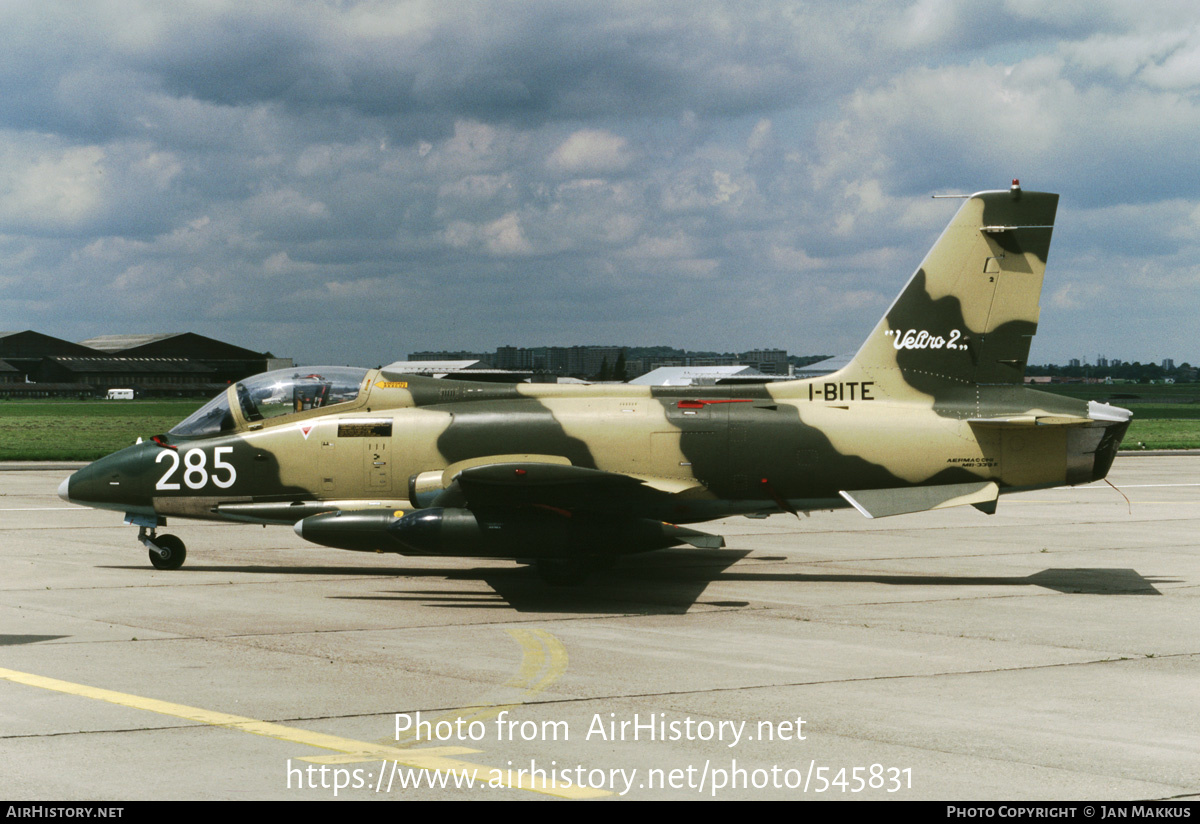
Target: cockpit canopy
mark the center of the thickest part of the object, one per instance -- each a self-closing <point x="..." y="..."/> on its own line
<point x="274" y="395"/>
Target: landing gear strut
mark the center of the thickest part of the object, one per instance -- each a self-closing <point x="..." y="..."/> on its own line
<point x="166" y="551"/>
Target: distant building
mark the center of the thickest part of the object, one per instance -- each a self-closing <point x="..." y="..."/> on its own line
<point x="701" y="376"/>
<point x="25" y="351"/>
<point x="1168" y="363"/>
<point x="471" y="369"/>
<point x="228" y="363"/>
<point x="580" y="361"/>
<point x="446" y="355"/>
<point x="39" y="365"/>
<point x="767" y="361"/>
<point x="510" y="357"/>
<point x="606" y="362"/>
<point x="171" y="374"/>
<point x="824" y="367"/>
<point x="421" y="367"/>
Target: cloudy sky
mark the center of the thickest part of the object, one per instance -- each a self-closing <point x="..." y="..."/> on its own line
<point x="350" y="181"/>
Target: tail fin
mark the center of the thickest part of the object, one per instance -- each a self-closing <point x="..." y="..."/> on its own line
<point x="969" y="313"/>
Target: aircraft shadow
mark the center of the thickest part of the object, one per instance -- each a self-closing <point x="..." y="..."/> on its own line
<point x="630" y="588"/>
<point x="669" y="582"/>
<point x="1078" y="581"/>
<point x="666" y="582"/>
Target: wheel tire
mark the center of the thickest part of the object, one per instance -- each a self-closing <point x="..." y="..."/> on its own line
<point x="175" y="553"/>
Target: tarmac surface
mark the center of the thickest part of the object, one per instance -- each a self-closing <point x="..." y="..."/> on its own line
<point x="1050" y="651"/>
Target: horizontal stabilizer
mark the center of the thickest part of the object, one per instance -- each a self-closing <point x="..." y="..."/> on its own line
<point x="1096" y="413"/>
<point x="1020" y="421"/>
<point x="879" y="503"/>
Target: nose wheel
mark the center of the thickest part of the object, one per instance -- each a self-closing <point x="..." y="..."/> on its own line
<point x="166" y="551"/>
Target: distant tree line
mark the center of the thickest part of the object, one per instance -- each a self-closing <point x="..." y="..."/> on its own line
<point x="1132" y="372"/>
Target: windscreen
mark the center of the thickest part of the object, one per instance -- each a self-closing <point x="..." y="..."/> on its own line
<point x="212" y="418"/>
<point x="287" y="391"/>
<point x="273" y="395"/>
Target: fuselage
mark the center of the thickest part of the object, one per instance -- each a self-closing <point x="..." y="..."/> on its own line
<point x="712" y="451"/>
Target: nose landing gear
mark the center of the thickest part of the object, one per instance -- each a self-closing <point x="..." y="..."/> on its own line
<point x="166" y="551"/>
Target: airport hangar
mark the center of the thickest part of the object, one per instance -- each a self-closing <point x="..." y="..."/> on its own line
<point x="33" y="364"/>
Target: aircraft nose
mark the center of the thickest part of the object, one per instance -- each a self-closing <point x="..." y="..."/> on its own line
<point x="121" y="481"/>
<point x="87" y="486"/>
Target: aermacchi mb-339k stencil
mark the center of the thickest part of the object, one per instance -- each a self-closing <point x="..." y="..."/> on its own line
<point x="931" y="412"/>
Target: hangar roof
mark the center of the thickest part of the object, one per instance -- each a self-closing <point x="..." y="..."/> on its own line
<point x="170" y="345"/>
<point x="825" y="367"/>
<point x="31" y="344"/>
<point x="116" y="343"/>
<point x="435" y="365"/>
<point x="696" y="375"/>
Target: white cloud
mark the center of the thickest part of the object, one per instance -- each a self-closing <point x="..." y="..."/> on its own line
<point x="505" y="236"/>
<point x="51" y="186"/>
<point x="592" y="151"/>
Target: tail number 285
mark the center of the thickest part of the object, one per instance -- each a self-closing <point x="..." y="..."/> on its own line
<point x="195" y="469"/>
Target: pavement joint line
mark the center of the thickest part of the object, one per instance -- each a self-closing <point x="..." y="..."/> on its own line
<point x="42" y="509"/>
<point x="1114" y="659"/>
<point x="434" y="759"/>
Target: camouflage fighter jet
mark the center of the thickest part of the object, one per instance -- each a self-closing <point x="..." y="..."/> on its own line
<point x="932" y="412"/>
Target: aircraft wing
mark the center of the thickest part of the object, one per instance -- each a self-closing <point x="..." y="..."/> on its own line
<point x="510" y="484"/>
<point x="566" y="490"/>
